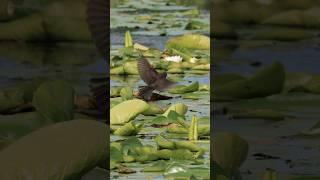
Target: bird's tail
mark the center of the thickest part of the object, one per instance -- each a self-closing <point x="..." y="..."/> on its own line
<point x="145" y="92"/>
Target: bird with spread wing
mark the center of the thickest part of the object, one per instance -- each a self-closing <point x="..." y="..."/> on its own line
<point x="153" y="79"/>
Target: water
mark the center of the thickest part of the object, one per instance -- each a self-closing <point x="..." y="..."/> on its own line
<point x="297" y="156"/>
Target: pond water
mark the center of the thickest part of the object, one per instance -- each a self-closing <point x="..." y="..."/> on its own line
<point x="295" y="156"/>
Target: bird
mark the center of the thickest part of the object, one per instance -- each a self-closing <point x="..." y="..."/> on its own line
<point x="153" y="79"/>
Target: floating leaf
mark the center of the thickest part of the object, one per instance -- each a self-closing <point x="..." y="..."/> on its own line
<point x="185" y="89"/>
<point x="126" y="93"/>
<point x="229" y="151"/>
<point x="55" y="101"/>
<point x="191" y="41"/>
<point x="260" y="114"/>
<point x="158" y="166"/>
<point x="153" y="110"/>
<point x="179" y="108"/>
<point x="81" y="151"/>
<point x="127" y="110"/>
<point x="129" y="129"/>
<point x="270" y="175"/>
<point x="269" y="80"/>
<point x="10" y="99"/>
<point x="115" y="92"/>
<point x="178" y="171"/>
<point x="128" y="145"/>
<point x="164" y="143"/>
<point x="115" y="155"/>
<point x="187" y="145"/>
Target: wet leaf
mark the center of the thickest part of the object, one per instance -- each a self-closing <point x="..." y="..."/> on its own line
<point x="260" y="114"/>
<point x="182" y="89"/>
<point x="270" y="175"/>
<point x="179" y="108"/>
<point x="80" y="153"/>
<point x="164" y="143"/>
<point x="55" y="101"/>
<point x="10" y="99"/>
<point x="191" y="41"/>
<point x="127" y="110"/>
<point x="229" y="151"/>
<point x="126" y="93"/>
<point x="129" y="129"/>
<point x="153" y="110"/>
<point x="187" y="145"/>
<point x="158" y="166"/>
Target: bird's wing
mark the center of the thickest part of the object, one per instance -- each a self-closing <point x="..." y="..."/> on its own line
<point x="98" y="20"/>
<point x="163" y="84"/>
<point x="147" y="73"/>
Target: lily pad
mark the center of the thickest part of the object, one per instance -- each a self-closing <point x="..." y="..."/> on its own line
<point x="185" y="89"/>
<point x="127" y="110"/>
<point x="191" y="41"/>
<point x="229" y="151"/>
<point x="55" y="101"/>
<point x="129" y="129"/>
<point x="179" y="108"/>
<point x="81" y="152"/>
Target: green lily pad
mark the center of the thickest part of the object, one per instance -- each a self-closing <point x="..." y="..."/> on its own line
<point x="55" y="101"/>
<point x="229" y="151"/>
<point x="164" y="143"/>
<point x="126" y="93"/>
<point x="10" y="99"/>
<point x="158" y="166"/>
<point x="179" y="108"/>
<point x="127" y="110"/>
<point x="187" y="145"/>
<point x="181" y="89"/>
<point x="191" y="41"/>
<point x="128" y="145"/>
<point x="178" y="171"/>
<point x="270" y="175"/>
<point x="260" y="114"/>
<point x="81" y="152"/>
<point x="129" y="129"/>
<point x="269" y="80"/>
<point x="153" y="110"/>
<point x="13" y="127"/>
